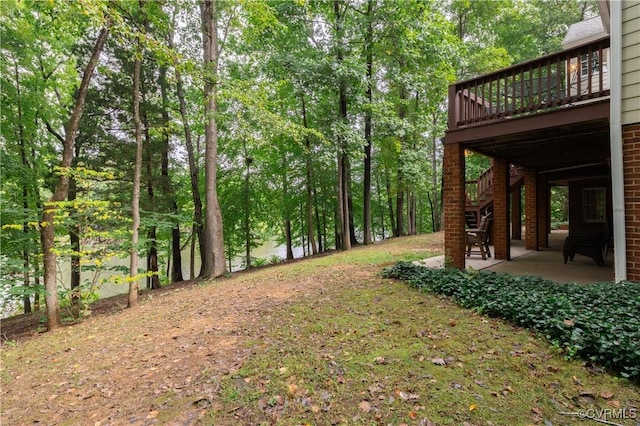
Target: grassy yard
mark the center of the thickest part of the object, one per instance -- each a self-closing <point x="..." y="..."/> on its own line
<point x="320" y="342"/>
<point x="373" y="351"/>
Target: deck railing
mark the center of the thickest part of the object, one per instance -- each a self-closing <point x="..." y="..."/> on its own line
<point x="544" y="84"/>
<point x="480" y="188"/>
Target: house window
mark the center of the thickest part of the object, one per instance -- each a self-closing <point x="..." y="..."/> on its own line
<point x="593" y="205"/>
<point x="584" y="64"/>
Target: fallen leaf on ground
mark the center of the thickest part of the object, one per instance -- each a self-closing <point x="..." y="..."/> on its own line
<point x="365" y="406"/>
<point x="408" y="396"/>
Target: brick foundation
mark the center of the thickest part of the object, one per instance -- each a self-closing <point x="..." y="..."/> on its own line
<point x="631" y="161"/>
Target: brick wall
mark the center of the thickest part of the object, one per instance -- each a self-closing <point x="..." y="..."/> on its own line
<point x="454" y="204"/>
<point x="631" y="160"/>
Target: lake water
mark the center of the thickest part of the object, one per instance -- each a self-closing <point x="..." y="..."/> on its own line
<point x="266" y="251"/>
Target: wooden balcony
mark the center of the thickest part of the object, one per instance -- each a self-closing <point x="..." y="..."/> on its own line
<point x="545" y="84"/>
<point x="549" y="113"/>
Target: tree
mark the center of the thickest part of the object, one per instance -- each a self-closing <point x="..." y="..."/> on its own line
<point x="214" y="264"/>
<point x="46" y="228"/>
<point x="132" y="299"/>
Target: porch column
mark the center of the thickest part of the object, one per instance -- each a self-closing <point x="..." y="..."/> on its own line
<point x="516" y="214"/>
<point x="531" y="209"/>
<point x="454" y="203"/>
<point x="501" y="225"/>
<point x="544" y="211"/>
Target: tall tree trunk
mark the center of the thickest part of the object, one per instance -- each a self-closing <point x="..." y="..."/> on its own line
<point x="132" y="299"/>
<point x="25" y="196"/>
<point x="302" y="233"/>
<point x="318" y="225"/>
<point x="399" y="202"/>
<point x="74" y="241"/>
<point x="247" y="204"/>
<point x="36" y="265"/>
<point x="352" y="226"/>
<point x="309" y="182"/>
<point x="380" y="204"/>
<point x="400" y="184"/>
<point x="435" y="205"/>
<point x="25" y="203"/>
<point x="411" y="212"/>
<point x="214" y="264"/>
<point x="167" y="188"/>
<point x="286" y="210"/>
<point x="325" y="235"/>
<point x="26" y="282"/>
<point x="343" y="162"/>
<point x="193" y="166"/>
<point x="368" y="45"/>
<point x="387" y="182"/>
<point x="341" y="220"/>
<point x="47" y="235"/>
<point x="153" y="279"/>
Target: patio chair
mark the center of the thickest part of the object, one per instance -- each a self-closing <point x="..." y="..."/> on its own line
<point x="478" y="238"/>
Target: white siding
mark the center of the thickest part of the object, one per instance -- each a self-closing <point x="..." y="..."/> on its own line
<point x="630" y="62"/>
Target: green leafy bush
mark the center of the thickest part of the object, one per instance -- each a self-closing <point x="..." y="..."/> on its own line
<point x="598" y="322"/>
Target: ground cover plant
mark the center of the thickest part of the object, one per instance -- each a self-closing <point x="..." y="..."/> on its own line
<point x="599" y="322"/>
<point x="321" y="341"/>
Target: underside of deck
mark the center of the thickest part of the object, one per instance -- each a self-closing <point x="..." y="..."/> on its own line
<point x="562" y="143"/>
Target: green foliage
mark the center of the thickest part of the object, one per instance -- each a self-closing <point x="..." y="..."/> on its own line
<point x="598" y="322"/>
<point x="559" y="204"/>
<point x="475" y="164"/>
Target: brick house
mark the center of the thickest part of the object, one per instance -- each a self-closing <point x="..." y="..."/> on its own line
<point x="571" y="118"/>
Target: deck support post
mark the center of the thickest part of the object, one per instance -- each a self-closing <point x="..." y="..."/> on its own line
<point x="501" y="223"/>
<point x="454" y="205"/>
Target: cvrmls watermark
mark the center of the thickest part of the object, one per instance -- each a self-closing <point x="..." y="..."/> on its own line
<point x="604" y="415"/>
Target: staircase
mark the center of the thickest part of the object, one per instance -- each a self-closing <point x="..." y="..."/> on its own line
<point x="479" y="194"/>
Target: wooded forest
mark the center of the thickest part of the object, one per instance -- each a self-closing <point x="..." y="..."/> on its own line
<point x="184" y="132"/>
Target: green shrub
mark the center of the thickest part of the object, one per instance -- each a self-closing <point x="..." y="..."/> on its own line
<point x="597" y="322"/>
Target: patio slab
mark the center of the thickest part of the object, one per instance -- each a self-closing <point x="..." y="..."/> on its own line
<point x="547" y="263"/>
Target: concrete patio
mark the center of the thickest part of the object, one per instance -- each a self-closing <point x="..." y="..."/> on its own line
<point x="547" y="263"/>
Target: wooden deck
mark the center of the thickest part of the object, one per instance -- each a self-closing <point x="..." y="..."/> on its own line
<point x="548" y="114"/>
